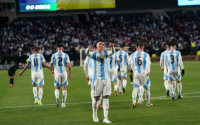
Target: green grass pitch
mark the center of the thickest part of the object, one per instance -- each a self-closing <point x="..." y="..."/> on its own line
<point x="17" y="108"/>
<point x="84" y="4"/>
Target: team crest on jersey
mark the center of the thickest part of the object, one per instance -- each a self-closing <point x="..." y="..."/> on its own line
<point x="102" y="56"/>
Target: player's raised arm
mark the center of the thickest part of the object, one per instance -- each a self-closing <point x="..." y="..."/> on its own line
<point x="88" y="53"/>
<point x="86" y="63"/>
<point x="148" y="64"/>
<point x="110" y="53"/>
<point x="69" y="66"/>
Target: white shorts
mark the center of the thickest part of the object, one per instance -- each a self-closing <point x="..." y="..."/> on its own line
<point x="60" y="79"/>
<point x="101" y="87"/>
<point x="37" y="79"/>
<point x="166" y="75"/>
<point x="173" y="76"/>
<point x="113" y="75"/>
<point x="122" y="74"/>
<point x="139" y="80"/>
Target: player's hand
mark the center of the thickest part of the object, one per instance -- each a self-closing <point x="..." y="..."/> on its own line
<point x="87" y="79"/>
<point x="20" y="73"/>
<point x="52" y="73"/>
<point x="111" y="44"/>
<point x="148" y="74"/>
<point x="162" y="69"/>
<point x="90" y="47"/>
<point x="69" y="75"/>
<point x="183" y="72"/>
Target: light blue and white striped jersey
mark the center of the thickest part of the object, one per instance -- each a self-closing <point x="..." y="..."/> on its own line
<point x="113" y="61"/>
<point x="173" y="61"/>
<point x="60" y="60"/>
<point x="123" y="59"/>
<point x="36" y="61"/>
<point x="162" y="59"/>
<point x="100" y="63"/>
<point x="88" y="67"/>
<point x="140" y="62"/>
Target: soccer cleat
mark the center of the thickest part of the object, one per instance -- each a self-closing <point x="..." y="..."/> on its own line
<point x="39" y="103"/>
<point x="57" y="102"/>
<point x="63" y="105"/>
<point x="95" y="118"/>
<point x="11" y="85"/>
<point x="99" y="105"/>
<point x="167" y="93"/>
<point x="123" y="90"/>
<point x="180" y="97"/>
<point x="149" y="104"/>
<point x="134" y="105"/>
<point x="116" y="94"/>
<point x="105" y="120"/>
<point x="36" y="101"/>
<point x="173" y="98"/>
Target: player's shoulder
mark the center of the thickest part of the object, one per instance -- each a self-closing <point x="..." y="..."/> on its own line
<point x="145" y="53"/>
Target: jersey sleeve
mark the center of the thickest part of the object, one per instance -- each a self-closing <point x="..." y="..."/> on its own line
<point x="43" y="59"/>
<point x="110" y="53"/>
<point x="86" y="62"/>
<point x="180" y="61"/>
<point x="29" y="59"/>
<point x="117" y="56"/>
<point x="161" y="59"/>
<point x="148" y="60"/>
<point x="88" y="53"/>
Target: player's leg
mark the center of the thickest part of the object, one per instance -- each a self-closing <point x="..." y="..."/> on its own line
<point x="179" y="85"/>
<point x="140" y="93"/>
<point x="119" y="83"/>
<point x="94" y="108"/>
<point x="131" y="76"/>
<point x="57" y="85"/>
<point x="166" y="82"/>
<point x="124" y="76"/>
<point x="11" y="81"/>
<point x="171" y="88"/>
<point x="147" y="91"/>
<point x="106" y="93"/>
<point x="174" y="87"/>
<point x="34" y="83"/>
<point x="114" y="79"/>
<point x="64" y="89"/>
<point x="40" y="84"/>
<point x="136" y="85"/>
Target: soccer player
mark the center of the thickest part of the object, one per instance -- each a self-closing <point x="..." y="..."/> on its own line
<point x="114" y="64"/>
<point x="11" y="72"/>
<point x="173" y="61"/>
<point x="59" y="60"/>
<point x="140" y="62"/>
<point x="123" y="59"/>
<point x="101" y="80"/>
<point x="164" y="68"/>
<point x="37" y="61"/>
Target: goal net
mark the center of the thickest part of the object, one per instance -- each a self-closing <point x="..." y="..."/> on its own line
<point x="83" y="55"/>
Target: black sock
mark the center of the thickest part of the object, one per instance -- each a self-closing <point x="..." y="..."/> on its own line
<point x="131" y="77"/>
<point x="11" y="81"/>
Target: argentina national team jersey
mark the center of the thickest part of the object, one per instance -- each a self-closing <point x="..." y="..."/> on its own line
<point x="140" y="62"/>
<point x="100" y="64"/>
<point x="60" y="60"/>
<point x="36" y="61"/>
<point x="88" y="67"/>
<point x="174" y="60"/>
<point x="162" y="59"/>
<point x="113" y="62"/>
<point x="123" y="59"/>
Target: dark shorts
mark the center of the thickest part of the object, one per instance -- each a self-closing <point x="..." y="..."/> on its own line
<point x="11" y="73"/>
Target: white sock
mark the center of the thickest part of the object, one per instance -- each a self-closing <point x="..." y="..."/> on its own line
<point x="171" y="89"/>
<point x="94" y="107"/>
<point x="56" y="93"/>
<point x="92" y="97"/>
<point x="40" y="94"/>
<point x="119" y="85"/>
<point x="134" y="94"/>
<point x="141" y="92"/>
<point x="166" y="85"/>
<point x="35" y="92"/>
<point x="148" y="95"/>
<point x="174" y="86"/>
<point x="105" y="107"/>
<point x="115" y="86"/>
<point x="179" y="88"/>
<point x="64" y="92"/>
<point x="124" y="83"/>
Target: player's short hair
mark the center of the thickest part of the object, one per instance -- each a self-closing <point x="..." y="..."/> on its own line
<point x="136" y="44"/>
<point x="140" y="45"/>
<point x="122" y="45"/>
<point x="101" y="39"/>
<point x="168" y="43"/>
<point x="37" y="49"/>
<point x="173" y="43"/>
<point x="60" y="46"/>
<point x="95" y="45"/>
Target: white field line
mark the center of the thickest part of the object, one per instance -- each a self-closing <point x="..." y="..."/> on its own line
<point x="59" y="2"/>
<point x="153" y="98"/>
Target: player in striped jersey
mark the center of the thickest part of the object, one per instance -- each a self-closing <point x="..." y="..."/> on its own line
<point x="37" y="61"/>
<point x="173" y="61"/>
<point x="123" y="59"/>
<point x="101" y="79"/>
<point x="59" y="61"/>
<point x="140" y="64"/>
<point x="114" y="64"/>
<point x="164" y="68"/>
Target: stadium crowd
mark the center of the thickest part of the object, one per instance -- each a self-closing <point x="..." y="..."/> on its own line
<point x="23" y="34"/>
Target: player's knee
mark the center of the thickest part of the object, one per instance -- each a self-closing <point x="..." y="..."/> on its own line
<point x="105" y="97"/>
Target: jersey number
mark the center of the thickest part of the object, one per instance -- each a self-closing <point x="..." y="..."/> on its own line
<point x="60" y="61"/>
<point x="35" y="62"/>
<point x="111" y="60"/>
<point x="172" y="59"/>
<point x="138" y="61"/>
<point x="120" y="58"/>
